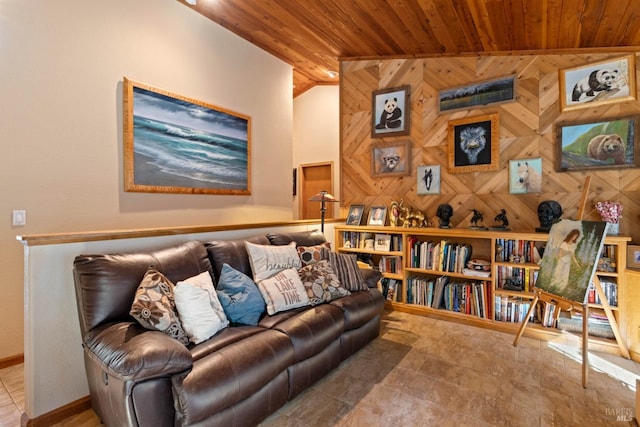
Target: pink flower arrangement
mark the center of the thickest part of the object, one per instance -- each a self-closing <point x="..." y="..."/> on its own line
<point x="610" y="211"/>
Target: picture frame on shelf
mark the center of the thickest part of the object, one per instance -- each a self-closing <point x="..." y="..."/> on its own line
<point x="473" y="144"/>
<point x="390" y="159"/>
<point x="390" y="112"/>
<point x="603" y="144"/>
<point x="598" y="83"/>
<point x="525" y="176"/>
<point x="488" y="92"/>
<point x="428" y="180"/>
<point x="377" y="215"/>
<point x="382" y="242"/>
<point x="355" y="214"/>
<point x="176" y="144"/>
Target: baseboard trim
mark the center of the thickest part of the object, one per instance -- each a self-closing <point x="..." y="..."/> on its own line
<point x="57" y="414"/>
<point x="11" y="361"/>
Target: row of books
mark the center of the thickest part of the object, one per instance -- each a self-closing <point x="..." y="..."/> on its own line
<point x="469" y="297"/>
<point x="509" y="309"/>
<point x="439" y="256"/>
<point x="610" y="289"/>
<point x="390" y="264"/>
<point x="516" y="278"/>
<point x="516" y="250"/>
<point x="391" y="289"/>
<point x="378" y="242"/>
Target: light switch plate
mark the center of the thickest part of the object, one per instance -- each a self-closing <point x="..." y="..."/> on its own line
<point x="19" y="218"/>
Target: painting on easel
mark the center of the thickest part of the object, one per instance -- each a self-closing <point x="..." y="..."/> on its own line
<point x="570" y="258"/>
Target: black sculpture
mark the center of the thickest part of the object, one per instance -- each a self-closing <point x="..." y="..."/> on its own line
<point x="549" y="212"/>
<point x="476" y="218"/>
<point x="444" y="214"/>
<point x="501" y="218"/>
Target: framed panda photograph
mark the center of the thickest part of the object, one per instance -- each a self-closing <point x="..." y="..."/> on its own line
<point x="390" y="112"/>
<point x="603" y="82"/>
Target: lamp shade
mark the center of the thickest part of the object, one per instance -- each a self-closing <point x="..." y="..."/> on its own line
<point x="323" y="196"/>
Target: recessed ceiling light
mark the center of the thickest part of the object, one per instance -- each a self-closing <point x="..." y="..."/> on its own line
<point x="191" y="2"/>
<point x="332" y="74"/>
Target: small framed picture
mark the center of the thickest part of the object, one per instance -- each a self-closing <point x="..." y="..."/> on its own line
<point x="391" y="159"/>
<point x="473" y="144"/>
<point x="525" y="176"/>
<point x="606" y="144"/>
<point x="633" y="256"/>
<point x="603" y="82"/>
<point x="355" y="214"/>
<point x="382" y="242"/>
<point x="428" y="177"/>
<point x="377" y="215"/>
<point x="390" y="112"/>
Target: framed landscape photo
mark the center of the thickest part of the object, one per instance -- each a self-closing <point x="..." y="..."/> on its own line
<point x="377" y="215"/>
<point x="390" y="112"/>
<point x="605" y="144"/>
<point x="525" y="176"/>
<point x="603" y="82"/>
<point x="355" y="214"/>
<point x="391" y="159"/>
<point x="175" y="144"/>
<point x="495" y="91"/>
<point x="473" y="144"/>
<point x="428" y="180"/>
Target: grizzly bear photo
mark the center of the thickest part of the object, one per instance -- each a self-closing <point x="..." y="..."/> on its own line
<point x="605" y="147"/>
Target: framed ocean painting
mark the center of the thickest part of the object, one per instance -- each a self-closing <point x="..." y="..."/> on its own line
<point x="175" y="144"/>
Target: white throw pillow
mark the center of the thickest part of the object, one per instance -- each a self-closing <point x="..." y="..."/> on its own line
<point x="283" y="291"/>
<point x="198" y="307"/>
<point x="267" y="260"/>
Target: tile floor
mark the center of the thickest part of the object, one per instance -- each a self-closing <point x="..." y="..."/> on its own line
<point x="427" y="372"/>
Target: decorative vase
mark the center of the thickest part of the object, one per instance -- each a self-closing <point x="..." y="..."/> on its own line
<point x="614" y="228"/>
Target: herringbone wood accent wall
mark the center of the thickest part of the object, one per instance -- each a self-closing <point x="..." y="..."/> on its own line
<point x="527" y="130"/>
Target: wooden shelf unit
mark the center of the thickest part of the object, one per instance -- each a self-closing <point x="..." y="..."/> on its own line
<point x="489" y="245"/>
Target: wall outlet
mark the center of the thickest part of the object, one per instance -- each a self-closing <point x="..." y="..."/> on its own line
<point x="19" y="218"/>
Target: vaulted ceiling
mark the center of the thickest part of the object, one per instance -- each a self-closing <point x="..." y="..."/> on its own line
<point x="313" y="35"/>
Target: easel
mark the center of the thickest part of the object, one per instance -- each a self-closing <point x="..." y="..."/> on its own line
<point x="563" y="304"/>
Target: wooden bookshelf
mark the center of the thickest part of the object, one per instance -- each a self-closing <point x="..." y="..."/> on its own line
<point x="509" y="252"/>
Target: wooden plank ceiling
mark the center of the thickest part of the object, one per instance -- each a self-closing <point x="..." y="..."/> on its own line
<point x="313" y="35"/>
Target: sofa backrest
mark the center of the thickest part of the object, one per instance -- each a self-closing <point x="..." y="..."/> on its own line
<point x="106" y="284"/>
<point x="302" y="238"/>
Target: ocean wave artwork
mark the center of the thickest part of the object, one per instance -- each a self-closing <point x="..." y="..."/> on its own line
<point x="178" y="144"/>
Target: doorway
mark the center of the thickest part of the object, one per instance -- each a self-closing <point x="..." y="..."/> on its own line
<point x="315" y="177"/>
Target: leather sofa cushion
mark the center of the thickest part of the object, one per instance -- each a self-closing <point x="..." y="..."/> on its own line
<point x="232" y="252"/>
<point x="222" y="339"/>
<point x="360" y="307"/>
<point x="128" y="351"/>
<point x="302" y="238"/>
<point x="230" y="375"/>
<point x="106" y="284"/>
<point x="313" y="330"/>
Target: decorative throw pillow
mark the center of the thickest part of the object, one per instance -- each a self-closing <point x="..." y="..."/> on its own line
<point x="283" y="291"/>
<point x="200" y="311"/>
<point x="311" y="254"/>
<point x="267" y="260"/>
<point x="346" y="268"/>
<point x="154" y="307"/>
<point x="240" y="297"/>
<point x="321" y="283"/>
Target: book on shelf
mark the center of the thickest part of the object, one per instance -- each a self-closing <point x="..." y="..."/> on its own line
<point x="610" y="288"/>
<point x="596" y="325"/>
<point x="392" y="289"/>
<point x="511" y="309"/>
<point x="390" y="264"/>
<point x="514" y="278"/>
<point x="517" y="251"/>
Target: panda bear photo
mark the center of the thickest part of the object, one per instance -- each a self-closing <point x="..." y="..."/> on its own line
<point x="604" y="80"/>
<point x="597" y="81"/>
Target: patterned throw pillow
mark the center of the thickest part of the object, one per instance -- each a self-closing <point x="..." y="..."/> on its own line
<point x="239" y="296"/>
<point x="283" y="291"/>
<point x="154" y="307"/>
<point x="321" y="283"/>
<point x="347" y="270"/>
<point x="267" y="260"/>
<point x="311" y="254"/>
<point x="198" y="307"/>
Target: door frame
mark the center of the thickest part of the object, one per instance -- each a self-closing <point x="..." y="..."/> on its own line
<point x="302" y="197"/>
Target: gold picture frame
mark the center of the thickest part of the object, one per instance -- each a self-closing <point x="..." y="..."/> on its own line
<point x="175" y="144"/>
<point x="474" y="144"/>
<point x="598" y="83"/>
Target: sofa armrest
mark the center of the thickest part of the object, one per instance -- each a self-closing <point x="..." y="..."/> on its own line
<point x="371" y="277"/>
<point x="128" y="351"/>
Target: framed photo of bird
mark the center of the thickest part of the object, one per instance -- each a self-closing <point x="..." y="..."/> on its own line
<point x="473" y="144"/>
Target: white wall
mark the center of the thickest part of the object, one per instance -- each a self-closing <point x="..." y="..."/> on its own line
<point x="316" y="133"/>
<point x="61" y="69"/>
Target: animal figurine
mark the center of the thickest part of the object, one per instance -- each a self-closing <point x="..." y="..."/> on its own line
<point x="476" y="218"/>
<point x="502" y="219"/>
<point x="415" y="218"/>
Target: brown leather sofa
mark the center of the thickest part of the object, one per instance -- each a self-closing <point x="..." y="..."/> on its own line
<point x="238" y="377"/>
